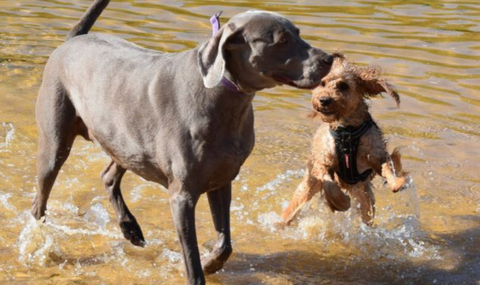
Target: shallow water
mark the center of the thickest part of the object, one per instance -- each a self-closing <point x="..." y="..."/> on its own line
<point x="427" y="234"/>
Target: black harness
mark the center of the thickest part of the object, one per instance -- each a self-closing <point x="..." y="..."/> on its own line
<point x="347" y="140"/>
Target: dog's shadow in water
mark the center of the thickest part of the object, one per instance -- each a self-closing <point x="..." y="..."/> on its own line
<point x="308" y="267"/>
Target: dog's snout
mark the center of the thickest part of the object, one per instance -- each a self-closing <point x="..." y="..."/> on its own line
<point x="325" y="101"/>
<point x="328" y="59"/>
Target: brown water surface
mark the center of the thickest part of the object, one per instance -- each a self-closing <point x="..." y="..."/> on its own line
<point x="428" y="234"/>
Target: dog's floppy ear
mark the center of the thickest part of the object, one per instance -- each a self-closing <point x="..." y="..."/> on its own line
<point x="371" y="84"/>
<point x="211" y="55"/>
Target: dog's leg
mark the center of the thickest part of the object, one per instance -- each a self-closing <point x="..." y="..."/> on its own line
<point x="182" y="202"/>
<point x="56" y="133"/>
<point x="382" y="163"/>
<point x="219" y="201"/>
<point x="305" y="191"/>
<point x="335" y="199"/>
<point x="395" y="181"/>
<point x="363" y="194"/>
<point x="112" y="176"/>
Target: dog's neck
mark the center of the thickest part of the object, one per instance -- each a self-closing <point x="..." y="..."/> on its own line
<point x="232" y="104"/>
<point x="357" y="118"/>
<point x="231" y="83"/>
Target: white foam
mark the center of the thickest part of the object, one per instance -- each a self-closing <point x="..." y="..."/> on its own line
<point x="270" y="221"/>
<point x="280" y="179"/>
<point x="33" y="243"/>
<point x="10" y="135"/>
<point x="170" y="256"/>
<point x="98" y="215"/>
<point x="4" y="197"/>
<point x="69" y="231"/>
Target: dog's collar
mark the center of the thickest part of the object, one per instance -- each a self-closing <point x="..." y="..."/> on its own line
<point x="347" y="140"/>
<point x="231" y="86"/>
<point x="352" y="131"/>
<point x="215" y="21"/>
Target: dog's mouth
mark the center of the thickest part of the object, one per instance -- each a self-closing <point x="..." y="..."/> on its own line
<point x="302" y="83"/>
<point x="325" y="111"/>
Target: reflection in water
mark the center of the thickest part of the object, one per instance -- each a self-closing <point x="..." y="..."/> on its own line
<point x="429" y="49"/>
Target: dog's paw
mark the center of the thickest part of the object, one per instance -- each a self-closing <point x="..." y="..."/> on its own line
<point x="37" y="210"/>
<point x="132" y="232"/>
<point x="280" y="225"/>
<point x="216" y="259"/>
<point x="211" y="266"/>
<point x="399" y="184"/>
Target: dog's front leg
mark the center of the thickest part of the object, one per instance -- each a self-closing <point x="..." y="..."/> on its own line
<point x="390" y="168"/>
<point x="183" y="200"/>
<point x="395" y="183"/>
<point x="219" y="201"/>
<point x="304" y="193"/>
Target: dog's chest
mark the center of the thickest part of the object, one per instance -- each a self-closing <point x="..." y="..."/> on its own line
<point x="351" y="160"/>
<point x="334" y="156"/>
<point x="222" y="161"/>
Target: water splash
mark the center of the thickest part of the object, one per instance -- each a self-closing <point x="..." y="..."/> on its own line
<point x="411" y="196"/>
<point x="34" y="243"/>
<point x="280" y="179"/>
<point x="393" y="237"/>
<point x="170" y="255"/>
<point x="9" y="136"/>
<point x="270" y="221"/>
<point x="397" y="233"/>
<point x="38" y="241"/>
<point x="4" y="197"/>
<point x="98" y="215"/>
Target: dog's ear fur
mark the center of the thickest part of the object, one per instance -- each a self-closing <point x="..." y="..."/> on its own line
<point x="211" y="55"/>
<point x="371" y="84"/>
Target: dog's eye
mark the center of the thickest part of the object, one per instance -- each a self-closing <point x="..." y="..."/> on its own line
<point x="283" y="40"/>
<point x="322" y="83"/>
<point x="342" y="86"/>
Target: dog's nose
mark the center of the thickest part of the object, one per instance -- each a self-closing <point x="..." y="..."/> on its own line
<point x="328" y="59"/>
<point x="325" y="101"/>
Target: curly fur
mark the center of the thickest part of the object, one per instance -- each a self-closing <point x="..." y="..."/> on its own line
<point x="340" y="100"/>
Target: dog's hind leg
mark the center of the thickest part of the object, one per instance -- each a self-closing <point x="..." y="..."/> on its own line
<point x="363" y="194"/>
<point x="219" y="201"/>
<point x="56" y="121"/>
<point x="335" y="199"/>
<point x="112" y="176"/>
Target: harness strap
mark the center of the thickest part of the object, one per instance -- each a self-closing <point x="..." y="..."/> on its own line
<point x="347" y="140"/>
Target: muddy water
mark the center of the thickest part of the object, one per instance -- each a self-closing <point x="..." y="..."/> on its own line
<point x="428" y="234"/>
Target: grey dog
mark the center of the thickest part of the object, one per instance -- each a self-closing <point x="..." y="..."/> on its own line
<point x="171" y="118"/>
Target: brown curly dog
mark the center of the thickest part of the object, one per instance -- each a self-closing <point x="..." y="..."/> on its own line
<point x="348" y="149"/>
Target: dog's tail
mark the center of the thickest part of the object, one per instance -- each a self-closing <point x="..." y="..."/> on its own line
<point x="88" y="19"/>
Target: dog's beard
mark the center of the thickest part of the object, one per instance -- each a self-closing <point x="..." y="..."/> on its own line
<point x="328" y="118"/>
